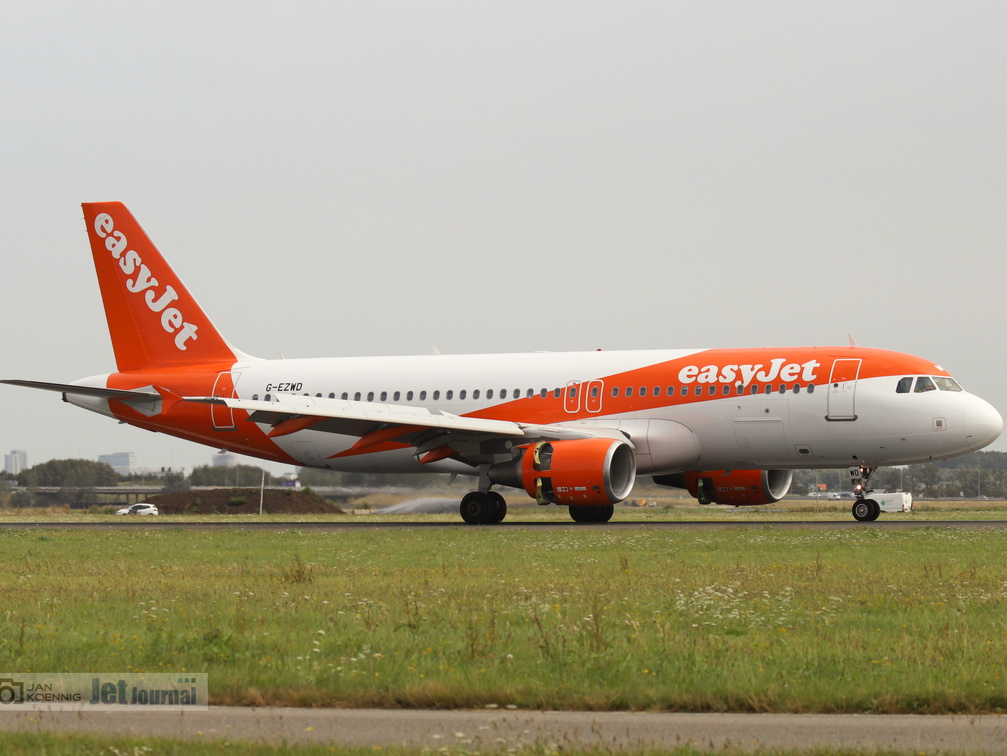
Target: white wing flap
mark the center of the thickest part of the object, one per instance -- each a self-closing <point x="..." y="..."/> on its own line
<point x="367" y="412"/>
<point x="359" y="418"/>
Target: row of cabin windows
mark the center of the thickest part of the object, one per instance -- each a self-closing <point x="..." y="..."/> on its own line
<point x="628" y="391"/>
<point x="711" y="390"/>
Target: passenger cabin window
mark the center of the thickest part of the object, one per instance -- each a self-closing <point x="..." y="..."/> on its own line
<point x="437" y="395"/>
<point x="409" y="396"/>
<point x="924" y="384"/>
<point x="946" y="384"/>
<point x="345" y="396"/>
<point x="615" y="391"/>
<point x="904" y="385"/>
<point x="475" y="394"/>
<point x="356" y="396"/>
<point x="629" y="391"/>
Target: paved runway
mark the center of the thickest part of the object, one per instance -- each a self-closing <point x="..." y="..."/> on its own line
<point x="503" y="729"/>
<point x="357" y="523"/>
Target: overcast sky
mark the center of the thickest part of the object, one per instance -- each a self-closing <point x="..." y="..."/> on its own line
<point x="364" y="178"/>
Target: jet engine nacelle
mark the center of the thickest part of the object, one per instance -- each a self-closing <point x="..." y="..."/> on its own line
<point x="578" y="472"/>
<point x="738" y="487"/>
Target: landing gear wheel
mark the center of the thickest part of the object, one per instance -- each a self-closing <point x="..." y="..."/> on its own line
<point x="592" y="514"/>
<point x="475" y="508"/>
<point x="866" y="510"/>
<point x="479" y="508"/>
<point x="498" y="507"/>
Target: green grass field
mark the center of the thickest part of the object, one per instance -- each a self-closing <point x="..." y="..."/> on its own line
<point x="859" y="620"/>
<point x="83" y="745"/>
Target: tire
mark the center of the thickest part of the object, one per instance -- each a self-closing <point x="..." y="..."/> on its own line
<point x="497" y="507"/>
<point x="592" y="514"/>
<point x="863" y="511"/>
<point x="474" y="508"/>
<point x="875" y="510"/>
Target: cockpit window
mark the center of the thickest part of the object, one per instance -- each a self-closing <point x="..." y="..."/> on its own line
<point x="924" y="384"/>
<point x="946" y="384"/>
<point x="905" y="385"/>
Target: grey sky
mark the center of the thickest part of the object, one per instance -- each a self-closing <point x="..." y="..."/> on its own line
<point x="336" y="178"/>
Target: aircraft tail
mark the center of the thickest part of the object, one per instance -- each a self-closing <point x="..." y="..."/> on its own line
<point x="153" y="320"/>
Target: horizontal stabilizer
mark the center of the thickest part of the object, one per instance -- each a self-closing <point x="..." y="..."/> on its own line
<point x="103" y="393"/>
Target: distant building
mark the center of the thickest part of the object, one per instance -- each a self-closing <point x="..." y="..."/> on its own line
<point x="124" y="463"/>
<point x="15" y="462"/>
<point x="225" y="459"/>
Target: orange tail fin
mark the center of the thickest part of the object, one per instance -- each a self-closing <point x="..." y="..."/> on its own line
<point x="153" y="320"/>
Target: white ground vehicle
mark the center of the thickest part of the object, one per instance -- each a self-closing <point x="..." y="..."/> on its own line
<point x="894" y="502"/>
<point x="138" y="509"/>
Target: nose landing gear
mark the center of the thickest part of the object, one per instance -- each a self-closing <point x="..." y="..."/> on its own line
<point x="864" y="509"/>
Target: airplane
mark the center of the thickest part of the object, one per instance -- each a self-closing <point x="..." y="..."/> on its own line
<point x="571" y="429"/>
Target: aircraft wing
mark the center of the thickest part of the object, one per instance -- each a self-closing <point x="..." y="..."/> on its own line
<point x="433" y="433"/>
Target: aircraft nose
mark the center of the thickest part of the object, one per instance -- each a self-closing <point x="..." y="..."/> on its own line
<point x="982" y="424"/>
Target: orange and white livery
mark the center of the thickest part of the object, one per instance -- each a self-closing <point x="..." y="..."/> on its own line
<point x="574" y="429"/>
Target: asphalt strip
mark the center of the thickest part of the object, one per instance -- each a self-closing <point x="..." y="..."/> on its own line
<point x="503" y="729"/>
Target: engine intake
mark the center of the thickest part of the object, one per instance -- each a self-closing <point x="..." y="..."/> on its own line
<point x="585" y="472"/>
<point x="738" y="487"/>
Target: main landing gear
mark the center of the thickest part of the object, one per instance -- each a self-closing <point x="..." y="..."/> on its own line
<point x="478" y="508"/>
<point x="489" y="508"/>
<point x="864" y="509"/>
<point x="592" y="514"/>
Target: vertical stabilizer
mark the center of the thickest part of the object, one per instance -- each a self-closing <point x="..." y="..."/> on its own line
<point x="153" y="320"/>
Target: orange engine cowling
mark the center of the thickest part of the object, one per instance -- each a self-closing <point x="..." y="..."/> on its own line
<point x="587" y="471"/>
<point x="738" y="487"/>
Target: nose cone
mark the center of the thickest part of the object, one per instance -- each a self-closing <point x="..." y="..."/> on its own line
<point x="982" y="424"/>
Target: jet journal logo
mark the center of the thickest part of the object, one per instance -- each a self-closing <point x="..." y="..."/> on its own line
<point x="104" y="692"/>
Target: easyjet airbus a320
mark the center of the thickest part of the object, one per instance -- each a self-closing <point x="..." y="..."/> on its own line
<point x="572" y="429"/>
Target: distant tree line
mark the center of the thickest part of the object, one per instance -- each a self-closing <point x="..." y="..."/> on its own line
<point x="981" y="473"/>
